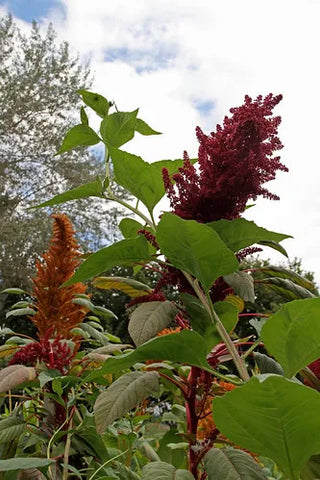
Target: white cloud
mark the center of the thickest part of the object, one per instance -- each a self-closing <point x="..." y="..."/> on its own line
<point x="165" y="55"/>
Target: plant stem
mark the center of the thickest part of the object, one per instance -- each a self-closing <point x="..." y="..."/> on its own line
<point x="207" y="303"/>
<point x="147" y="220"/>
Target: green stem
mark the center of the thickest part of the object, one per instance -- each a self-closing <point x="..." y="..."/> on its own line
<point x="106" y="463"/>
<point x="207" y="303"/>
<point x="251" y="348"/>
<point x="147" y="220"/>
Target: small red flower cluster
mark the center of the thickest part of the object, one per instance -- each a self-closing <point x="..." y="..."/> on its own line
<point x="234" y="163"/>
<point x="55" y="354"/>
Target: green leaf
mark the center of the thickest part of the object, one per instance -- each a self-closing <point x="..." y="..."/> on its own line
<point x="276" y="246"/>
<point x="92" y="189"/>
<point x="11" y="428"/>
<point x="125" y="252"/>
<point x="47" y="376"/>
<point x="267" y="364"/>
<point x="20" y="311"/>
<point x="79" y="136"/>
<point x="311" y="471"/>
<point x="201" y="322"/>
<point x="129" y="286"/>
<point x="150" y="318"/>
<point x="184" y="347"/>
<point x="195" y="248"/>
<point x="94" y="333"/>
<point x="292" y="334"/>
<point x="95" y="101"/>
<point x="129" y="227"/>
<point x="231" y="464"/>
<point x="242" y="284"/>
<point x="144" y="129"/>
<point x="286" y="288"/>
<point x="15" y="291"/>
<point x="278" y="271"/>
<point x="101" y="311"/>
<point x="22" y="463"/>
<point x="164" y="471"/>
<point x="273" y="417"/>
<point x="14" y="375"/>
<point x="138" y="177"/>
<point x="123" y="395"/>
<point x="118" y="128"/>
<point x="241" y="233"/>
<point x="84" y="117"/>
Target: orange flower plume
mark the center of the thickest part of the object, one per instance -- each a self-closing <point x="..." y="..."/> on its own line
<point x="55" y="309"/>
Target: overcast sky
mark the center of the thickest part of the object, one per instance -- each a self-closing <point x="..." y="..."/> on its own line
<point x="186" y="62"/>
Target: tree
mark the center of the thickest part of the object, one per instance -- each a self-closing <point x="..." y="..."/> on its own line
<point x="39" y="79"/>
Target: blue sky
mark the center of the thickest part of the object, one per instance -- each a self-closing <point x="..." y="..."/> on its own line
<point x="185" y="63"/>
<point x="29" y="10"/>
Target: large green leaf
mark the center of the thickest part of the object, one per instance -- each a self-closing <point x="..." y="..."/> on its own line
<point x="11" y="428"/>
<point x="92" y="189"/>
<point x="286" y="288"/>
<point x="150" y="318"/>
<point x="273" y="417"/>
<point x="231" y="464"/>
<point x="125" y="252"/>
<point x="144" y="129"/>
<point x="195" y="248"/>
<point x="123" y="395"/>
<point x="292" y="335"/>
<point x="14" y="375"/>
<point x="240" y="233"/>
<point x="20" y="311"/>
<point x="118" y="128"/>
<point x="79" y="135"/>
<point x="278" y="271"/>
<point x="97" y="102"/>
<point x="164" y="471"/>
<point x="201" y="322"/>
<point x="22" y="463"/>
<point x="139" y="177"/>
<point x="185" y="347"/>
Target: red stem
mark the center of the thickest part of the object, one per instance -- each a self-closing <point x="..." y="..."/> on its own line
<point x="192" y="418"/>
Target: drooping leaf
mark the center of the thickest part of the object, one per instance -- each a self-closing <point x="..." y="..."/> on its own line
<point x="11" y="428"/>
<point x="94" y="333"/>
<point x="129" y="286"/>
<point x="231" y="464"/>
<point x="7" y="350"/>
<point x="241" y="233"/>
<point x="201" y="322"/>
<point x="123" y="395"/>
<point x="15" y="291"/>
<point x="286" y="288"/>
<point x="20" y="304"/>
<point x="102" y="311"/>
<point x="97" y="102"/>
<point x="79" y="136"/>
<point x="164" y="471"/>
<point x="242" y="285"/>
<point x="267" y="364"/>
<point x="278" y="271"/>
<point x="185" y="347"/>
<point x="273" y="417"/>
<point x="20" y="311"/>
<point x="92" y="189"/>
<point x="22" y="463"/>
<point x="125" y="252"/>
<point x="275" y="246"/>
<point x="138" y="177"/>
<point x="129" y="227"/>
<point x="14" y="375"/>
<point x="150" y="318"/>
<point x="195" y="248"/>
<point x="144" y="129"/>
<point x="292" y="334"/>
<point x="118" y="128"/>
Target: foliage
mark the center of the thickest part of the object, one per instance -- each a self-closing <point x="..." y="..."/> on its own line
<point x="105" y="410"/>
<point x="38" y="82"/>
